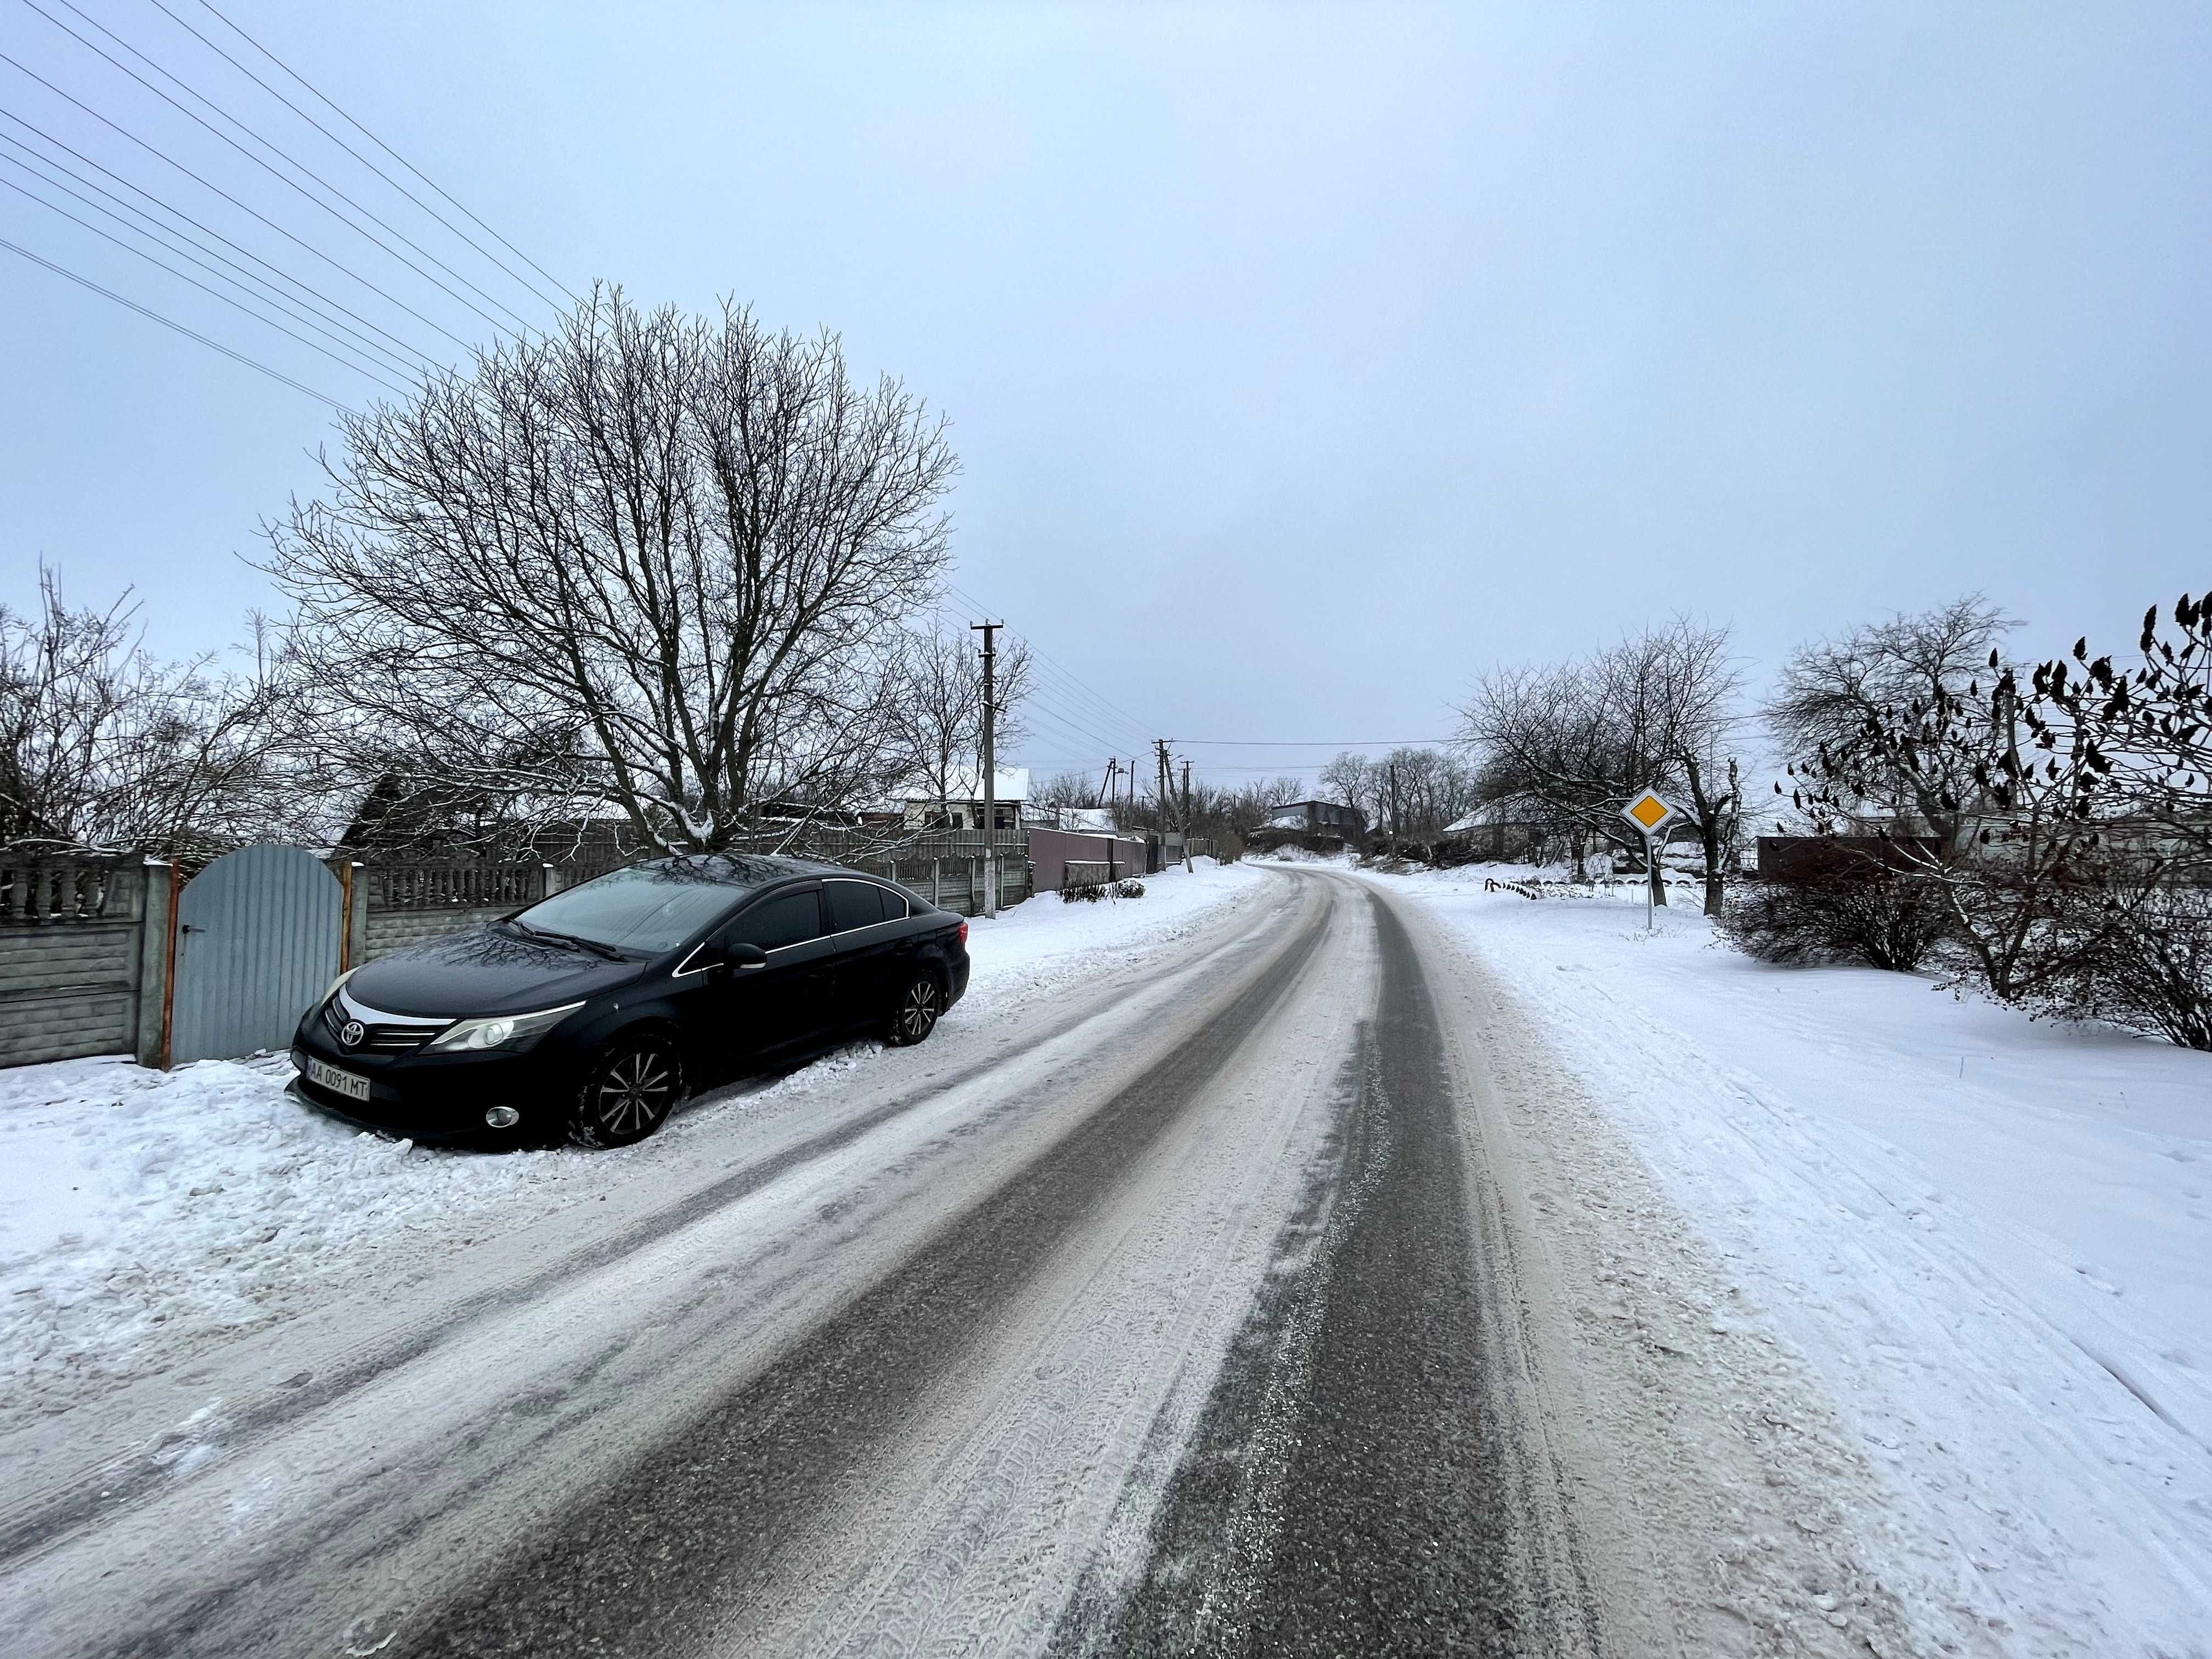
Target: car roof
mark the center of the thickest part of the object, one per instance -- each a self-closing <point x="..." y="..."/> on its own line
<point x="753" y="870"/>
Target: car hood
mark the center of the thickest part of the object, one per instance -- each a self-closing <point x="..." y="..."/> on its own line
<point x="486" y="971"/>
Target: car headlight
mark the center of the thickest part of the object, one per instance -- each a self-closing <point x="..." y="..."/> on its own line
<point x="513" y="1032"/>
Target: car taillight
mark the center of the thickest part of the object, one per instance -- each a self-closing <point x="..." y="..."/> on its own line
<point x="963" y="935"/>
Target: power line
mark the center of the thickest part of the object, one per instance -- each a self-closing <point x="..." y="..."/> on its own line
<point x="343" y="362"/>
<point x="161" y="156"/>
<point x="175" y="212"/>
<point x="290" y="183"/>
<point x="213" y="345"/>
<point x="160" y="235"/>
<point x="1071" y="720"/>
<point x="1322" y="742"/>
<point x="486" y="253"/>
<point x="385" y="148"/>
<point x="1119" y="714"/>
<point x="276" y="149"/>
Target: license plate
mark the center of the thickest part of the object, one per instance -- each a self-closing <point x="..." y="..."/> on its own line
<point x="343" y="1082"/>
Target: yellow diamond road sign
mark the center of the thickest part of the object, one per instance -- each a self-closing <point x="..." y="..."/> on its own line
<point x="1648" y="812"/>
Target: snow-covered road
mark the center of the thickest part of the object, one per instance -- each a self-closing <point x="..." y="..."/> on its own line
<point x="1247" y="1268"/>
<point x="1992" y="1239"/>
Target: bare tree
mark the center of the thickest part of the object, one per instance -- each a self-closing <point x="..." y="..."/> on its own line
<point x="938" y="708"/>
<point x="103" y="746"/>
<point x="1846" y="708"/>
<point x="650" y="563"/>
<point x="1068" y="789"/>
<point x="2145" y="735"/>
<point x="1692" y="693"/>
<point x="1567" y="745"/>
<point x="1349" y="780"/>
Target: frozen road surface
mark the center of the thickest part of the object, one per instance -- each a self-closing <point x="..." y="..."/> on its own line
<point x="1260" y="1297"/>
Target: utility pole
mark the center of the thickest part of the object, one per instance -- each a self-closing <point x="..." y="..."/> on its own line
<point x="1162" y="788"/>
<point x="989" y="631"/>
<point x="1106" y="789"/>
<point x="1186" y="813"/>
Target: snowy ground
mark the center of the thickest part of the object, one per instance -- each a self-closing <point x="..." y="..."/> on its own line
<point x="1993" y="1238"/>
<point x="142" y="1214"/>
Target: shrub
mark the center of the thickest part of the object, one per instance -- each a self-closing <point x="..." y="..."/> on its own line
<point x="1878" y="917"/>
<point x="1129" y="887"/>
<point x="2146" y="963"/>
<point x="1082" y="892"/>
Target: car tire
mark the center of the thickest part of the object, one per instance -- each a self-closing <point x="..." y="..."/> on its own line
<point x="633" y="1084"/>
<point x="920" y="1005"/>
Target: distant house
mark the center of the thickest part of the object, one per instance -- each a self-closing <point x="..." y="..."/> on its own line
<point x="1077" y="820"/>
<point x="960" y="807"/>
<point x="1320" y="817"/>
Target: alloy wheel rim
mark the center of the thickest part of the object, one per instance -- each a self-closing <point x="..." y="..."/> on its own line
<point x="920" y="1011"/>
<point x="636" y="1091"/>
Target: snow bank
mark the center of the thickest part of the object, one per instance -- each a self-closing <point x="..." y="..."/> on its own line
<point x="142" y="1214"/>
<point x="1993" y="1237"/>
<point x="1044" y="945"/>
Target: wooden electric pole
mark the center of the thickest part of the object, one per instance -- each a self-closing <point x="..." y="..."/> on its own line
<point x="1186" y="815"/>
<point x="989" y="631"/>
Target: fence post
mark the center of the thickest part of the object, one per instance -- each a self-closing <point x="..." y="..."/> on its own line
<point x="937" y="882"/>
<point x="169" y="960"/>
<point x="156" y="882"/>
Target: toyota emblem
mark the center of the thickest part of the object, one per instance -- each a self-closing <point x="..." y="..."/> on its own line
<point x="351" y="1033"/>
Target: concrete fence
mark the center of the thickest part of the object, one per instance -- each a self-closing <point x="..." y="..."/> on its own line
<point x="1052" y="852"/>
<point x="82" y="955"/>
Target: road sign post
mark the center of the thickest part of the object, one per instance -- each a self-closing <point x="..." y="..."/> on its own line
<point x="1651" y="813"/>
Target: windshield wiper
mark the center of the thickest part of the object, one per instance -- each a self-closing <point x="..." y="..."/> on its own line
<point x="572" y="940"/>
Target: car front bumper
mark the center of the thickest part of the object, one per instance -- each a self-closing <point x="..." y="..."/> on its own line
<point x="432" y="1097"/>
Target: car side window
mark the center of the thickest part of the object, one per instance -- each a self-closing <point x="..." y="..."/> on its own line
<point x="895" y="905"/>
<point x="852" y="904"/>
<point x="789" y="919"/>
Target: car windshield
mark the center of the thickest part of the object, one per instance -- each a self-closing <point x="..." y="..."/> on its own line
<point x="653" y="909"/>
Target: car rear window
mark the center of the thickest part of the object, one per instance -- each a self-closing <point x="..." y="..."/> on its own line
<point x="773" y="923"/>
<point x="854" y="904"/>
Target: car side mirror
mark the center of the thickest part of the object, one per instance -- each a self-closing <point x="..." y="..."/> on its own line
<point x="741" y="956"/>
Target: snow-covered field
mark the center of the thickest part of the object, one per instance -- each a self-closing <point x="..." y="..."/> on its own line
<point x="143" y="1214"/>
<point x="1993" y="1239"/>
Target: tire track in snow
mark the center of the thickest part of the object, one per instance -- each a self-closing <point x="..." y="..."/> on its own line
<point x="1354" y="1484"/>
<point x="647" y="1563"/>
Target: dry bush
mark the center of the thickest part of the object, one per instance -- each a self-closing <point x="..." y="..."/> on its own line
<point x="1877" y="917"/>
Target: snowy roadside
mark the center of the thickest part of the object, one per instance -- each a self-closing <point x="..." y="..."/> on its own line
<point x="143" y="1214"/>
<point x="1992" y="1238"/>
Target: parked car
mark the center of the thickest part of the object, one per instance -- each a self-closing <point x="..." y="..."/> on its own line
<point x="592" y="1013"/>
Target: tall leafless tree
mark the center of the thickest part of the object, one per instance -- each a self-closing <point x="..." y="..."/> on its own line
<point x="649" y="563"/>
<point x="102" y="745"/>
<point x="1846" y="707"/>
<point x="938" y="708"/>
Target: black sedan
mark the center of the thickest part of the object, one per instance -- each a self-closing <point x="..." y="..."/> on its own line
<point x="591" y="1014"/>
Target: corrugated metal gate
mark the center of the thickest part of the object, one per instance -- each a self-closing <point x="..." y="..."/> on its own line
<point x="257" y="937"/>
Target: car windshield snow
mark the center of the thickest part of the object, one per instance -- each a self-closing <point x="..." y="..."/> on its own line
<point x="652" y="909"/>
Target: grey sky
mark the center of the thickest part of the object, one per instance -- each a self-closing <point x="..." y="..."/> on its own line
<point x="1302" y="361"/>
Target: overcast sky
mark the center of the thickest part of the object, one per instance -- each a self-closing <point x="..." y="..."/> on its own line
<point x="1302" y="361"/>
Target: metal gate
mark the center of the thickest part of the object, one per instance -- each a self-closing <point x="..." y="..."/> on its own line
<point x="257" y="937"/>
